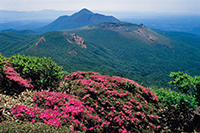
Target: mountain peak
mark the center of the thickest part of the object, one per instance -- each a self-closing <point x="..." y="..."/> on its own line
<point x="79" y="19"/>
<point x="85" y="10"/>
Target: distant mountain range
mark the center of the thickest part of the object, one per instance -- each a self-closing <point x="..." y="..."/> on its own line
<point x="178" y="23"/>
<point x="44" y="15"/>
<point x="34" y="20"/>
<point x="82" y="18"/>
<point x="18" y="31"/>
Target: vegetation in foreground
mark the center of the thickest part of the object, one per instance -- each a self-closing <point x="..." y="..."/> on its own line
<point x="37" y="96"/>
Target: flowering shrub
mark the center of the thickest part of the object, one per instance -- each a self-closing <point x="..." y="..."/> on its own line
<point x="95" y="103"/>
<point x="125" y="111"/>
<point x="43" y="71"/>
<point x="59" y="109"/>
<point x="13" y="75"/>
<point x="11" y="81"/>
<point x="103" y="105"/>
<point x="8" y="101"/>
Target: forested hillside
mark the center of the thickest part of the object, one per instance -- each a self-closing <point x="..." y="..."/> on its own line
<point x="122" y="49"/>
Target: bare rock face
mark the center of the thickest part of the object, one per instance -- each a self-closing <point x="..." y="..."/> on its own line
<point x="40" y="41"/>
<point x="196" y="120"/>
<point x="79" y="40"/>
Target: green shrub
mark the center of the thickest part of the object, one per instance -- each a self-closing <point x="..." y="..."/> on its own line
<point x="172" y="98"/>
<point x="42" y="71"/>
<point x="177" y="110"/>
<point x="2" y="59"/>
<point x="186" y="84"/>
<point x="182" y="81"/>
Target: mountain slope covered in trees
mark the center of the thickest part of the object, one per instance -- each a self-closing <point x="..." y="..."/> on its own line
<point x="114" y="48"/>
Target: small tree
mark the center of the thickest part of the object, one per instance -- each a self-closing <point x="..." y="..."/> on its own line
<point x="186" y="84"/>
<point x="182" y="81"/>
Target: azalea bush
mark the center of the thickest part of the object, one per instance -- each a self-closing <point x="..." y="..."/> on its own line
<point x="43" y="72"/>
<point x="60" y="109"/>
<point x="8" y="101"/>
<point x="11" y="74"/>
<point x="127" y="106"/>
<point x="11" y="81"/>
<point x="98" y="104"/>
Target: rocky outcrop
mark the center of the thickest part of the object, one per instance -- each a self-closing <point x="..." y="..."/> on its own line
<point x="143" y="32"/>
<point x="79" y="40"/>
<point x="40" y="40"/>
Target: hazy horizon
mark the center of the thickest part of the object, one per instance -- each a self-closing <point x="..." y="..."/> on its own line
<point x="189" y="7"/>
<point x="52" y="14"/>
<point x="174" y="15"/>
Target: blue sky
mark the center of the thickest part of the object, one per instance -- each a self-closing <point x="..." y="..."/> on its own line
<point x="161" y="6"/>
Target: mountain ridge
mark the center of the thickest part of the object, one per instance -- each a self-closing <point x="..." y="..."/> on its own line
<point x="82" y="18"/>
<point x="18" y="31"/>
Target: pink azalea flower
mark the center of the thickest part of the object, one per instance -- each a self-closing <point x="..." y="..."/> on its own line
<point x="33" y="120"/>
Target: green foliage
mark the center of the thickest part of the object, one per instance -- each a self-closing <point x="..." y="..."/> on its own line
<point x="177" y="110"/>
<point x="186" y="84"/>
<point x="171" y="98"/>
<point x="43" y="71"/>
<point x="196" y="82"/>
<point x="182" y="81"/>
<point x="2" y="58"/>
